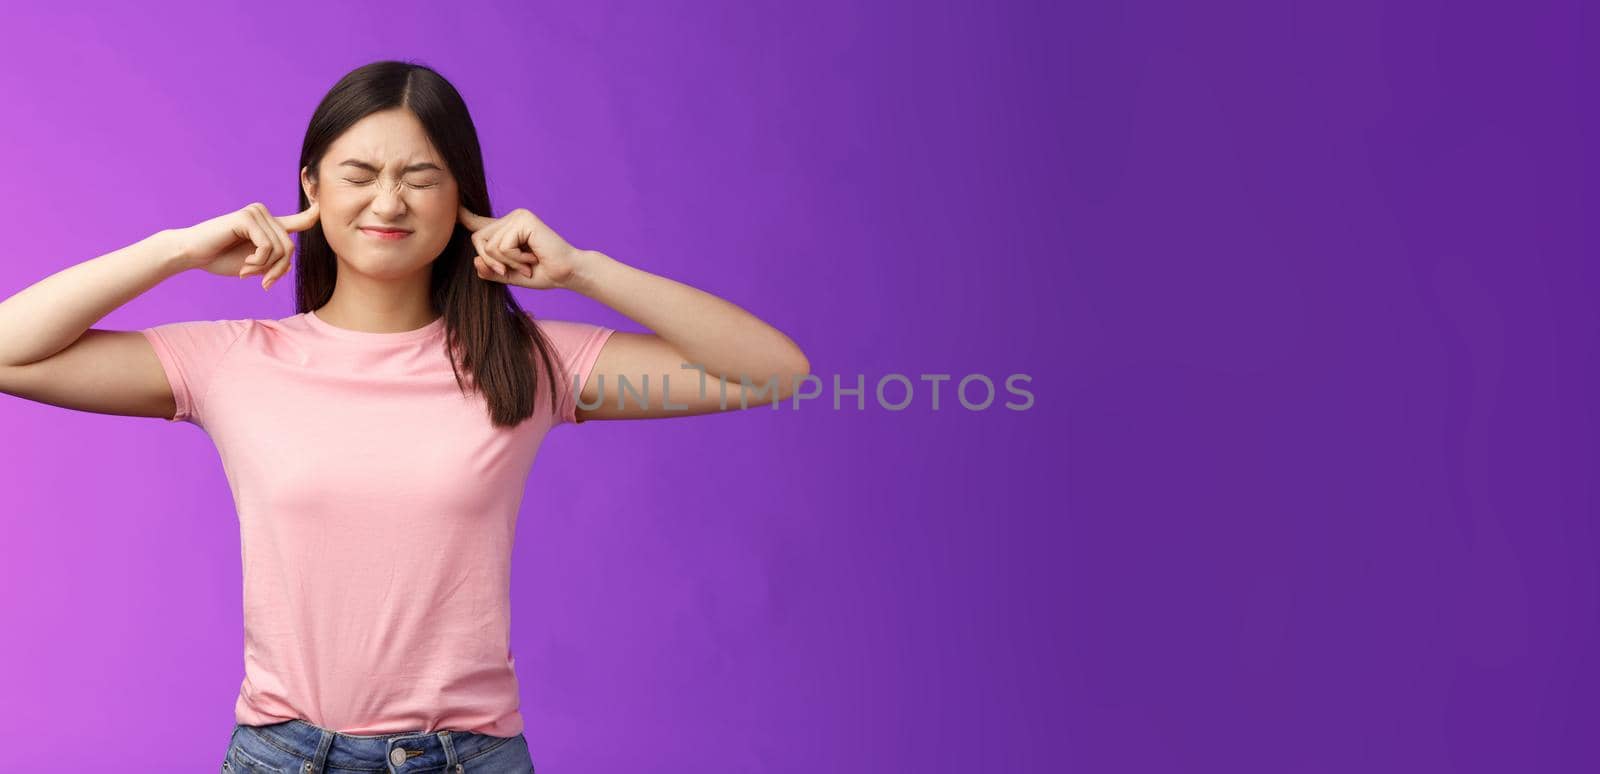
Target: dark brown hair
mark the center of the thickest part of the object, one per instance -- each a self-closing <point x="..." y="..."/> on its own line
<point x="487" y="334"/>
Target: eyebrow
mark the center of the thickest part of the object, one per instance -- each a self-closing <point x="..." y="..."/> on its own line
<point x="372" y="168"/>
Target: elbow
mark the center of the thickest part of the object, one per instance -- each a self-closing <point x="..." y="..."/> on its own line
<point x="795" y="370"/>
<point x="796" y="366"/>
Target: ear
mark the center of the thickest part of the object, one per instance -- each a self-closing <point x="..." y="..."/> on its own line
<point x="308" y="184"/>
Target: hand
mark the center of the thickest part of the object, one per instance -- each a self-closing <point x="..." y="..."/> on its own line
<point x="244" y="242"/>
<point x="519" y="249"/>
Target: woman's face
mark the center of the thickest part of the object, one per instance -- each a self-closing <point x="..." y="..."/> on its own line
<point x="384" y="173"/>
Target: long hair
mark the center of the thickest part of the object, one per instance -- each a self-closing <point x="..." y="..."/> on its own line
<point x="487" y="333"/>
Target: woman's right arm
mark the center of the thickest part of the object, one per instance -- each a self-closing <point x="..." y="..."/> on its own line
<point x="49" y="354"/>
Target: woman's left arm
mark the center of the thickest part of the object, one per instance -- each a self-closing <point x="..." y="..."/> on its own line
<point x="693" y="330"/>
<point x="714" y="355"/>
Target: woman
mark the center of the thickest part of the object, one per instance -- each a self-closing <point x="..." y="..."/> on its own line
<point x="377" y="442"/>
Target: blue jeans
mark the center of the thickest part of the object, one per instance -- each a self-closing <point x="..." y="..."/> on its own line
<point x="298" y="747"/>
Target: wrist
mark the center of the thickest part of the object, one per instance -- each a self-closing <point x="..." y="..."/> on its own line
<point x="588" y="266"/>
<point x="166" y="249"/>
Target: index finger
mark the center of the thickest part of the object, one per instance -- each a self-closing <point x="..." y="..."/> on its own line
<point x="300" y="221"/>
<point x="472" y="220"/>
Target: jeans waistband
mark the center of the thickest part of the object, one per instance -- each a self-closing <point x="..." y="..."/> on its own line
<point x="404" y="750"/>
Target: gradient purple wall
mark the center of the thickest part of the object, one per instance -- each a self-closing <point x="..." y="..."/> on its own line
<point x="1305" y="295"/>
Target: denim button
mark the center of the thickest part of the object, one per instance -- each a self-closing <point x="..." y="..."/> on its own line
<point x="397" y="756"/>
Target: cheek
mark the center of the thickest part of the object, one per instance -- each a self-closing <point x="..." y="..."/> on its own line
<point x="338" y="211"/>
<point x="434" y="240"/>
<point x="436" y="221"/>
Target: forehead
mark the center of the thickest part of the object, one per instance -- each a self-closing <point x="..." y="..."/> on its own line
<point x="389" y="139"/>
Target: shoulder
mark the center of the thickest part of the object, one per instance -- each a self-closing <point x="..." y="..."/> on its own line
<point x="577" y="343"/>
<point x="214" y="327"/>
<point x="199" y="335"/>
<point x="567" y="329"/>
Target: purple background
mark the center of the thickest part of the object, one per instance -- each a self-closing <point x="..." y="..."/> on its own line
<point x="1307" y="485"/>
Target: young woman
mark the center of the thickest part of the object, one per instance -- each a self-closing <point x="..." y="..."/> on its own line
<point x="378" y="441"/>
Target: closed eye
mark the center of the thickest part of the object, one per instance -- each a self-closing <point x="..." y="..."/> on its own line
<point x="364" y="182"/>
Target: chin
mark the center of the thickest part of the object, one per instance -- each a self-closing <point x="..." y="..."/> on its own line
<point x="363" y="262"/>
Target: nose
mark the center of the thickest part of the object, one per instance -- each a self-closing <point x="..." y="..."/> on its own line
<point x="389" y="202"/>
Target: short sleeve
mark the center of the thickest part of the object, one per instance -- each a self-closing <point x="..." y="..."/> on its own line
<point x="190" y="353"/>
<point x="577" y="345"/>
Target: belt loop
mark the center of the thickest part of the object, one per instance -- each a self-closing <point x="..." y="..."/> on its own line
<point x="449" y="752"/>
<point x="321" y="760"/>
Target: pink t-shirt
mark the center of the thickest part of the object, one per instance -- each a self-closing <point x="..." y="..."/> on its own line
<point x="377" y="507"/>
